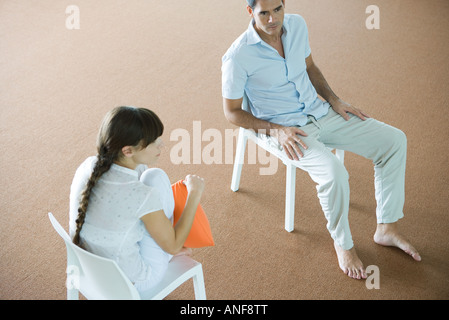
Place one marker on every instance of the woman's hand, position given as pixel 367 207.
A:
pixel 194 184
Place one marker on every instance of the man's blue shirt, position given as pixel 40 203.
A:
pixel 279 89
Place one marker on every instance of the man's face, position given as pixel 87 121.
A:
pixel 268 16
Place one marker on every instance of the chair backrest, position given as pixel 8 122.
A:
pixel 95 277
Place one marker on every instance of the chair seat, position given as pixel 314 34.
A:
pixel 180 269
pixel 264 142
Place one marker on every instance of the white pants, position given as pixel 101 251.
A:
pixel 152 254
pixel 386 146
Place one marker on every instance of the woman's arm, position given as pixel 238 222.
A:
pixel 172 238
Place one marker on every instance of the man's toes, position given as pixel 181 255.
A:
pixel 416 256
pixel 353 273
pixel 364 275
pixel 412 252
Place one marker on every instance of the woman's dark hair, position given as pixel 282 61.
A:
pixel 122 126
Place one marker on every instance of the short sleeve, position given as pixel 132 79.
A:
pixel 234 78
pixel 299 27
pixel 151 203
pixel 308 50
pixel 141 169
pixel 304 34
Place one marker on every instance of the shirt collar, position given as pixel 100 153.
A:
pixel 128 171
pixel 254 38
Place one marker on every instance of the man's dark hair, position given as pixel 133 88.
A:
pixel 251 3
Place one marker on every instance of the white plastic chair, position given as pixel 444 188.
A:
pixel 99 278
pixel 244 135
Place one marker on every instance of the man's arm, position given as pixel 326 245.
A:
pixel 324 90
pixel 287 136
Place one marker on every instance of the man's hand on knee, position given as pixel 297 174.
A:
pixel 343 108
pixel 289 139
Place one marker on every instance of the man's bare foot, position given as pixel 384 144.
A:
pixel 387 234
pixel 350 263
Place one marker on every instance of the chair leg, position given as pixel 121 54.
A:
pixel 290 198
pixel 239 158
pixel 198 285
pixel 72 294
pixel 73 278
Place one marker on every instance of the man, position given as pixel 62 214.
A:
pixel 272 63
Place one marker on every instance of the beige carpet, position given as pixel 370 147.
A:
pixel 56 84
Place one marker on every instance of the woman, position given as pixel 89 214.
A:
pixel 120 209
